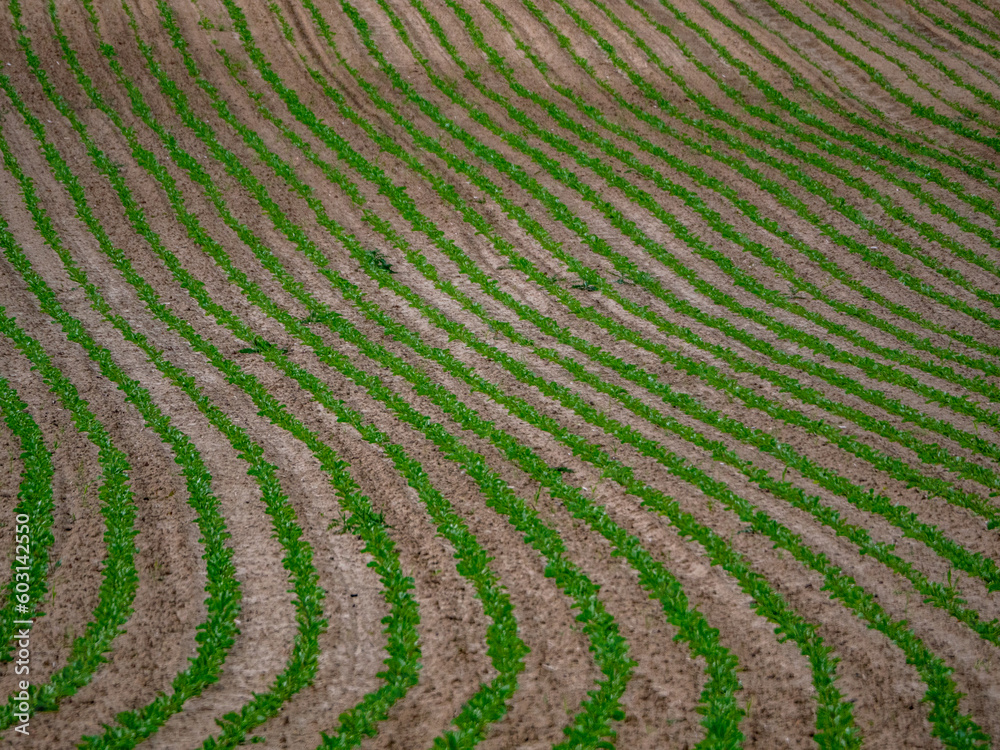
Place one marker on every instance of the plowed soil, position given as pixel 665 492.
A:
pixel 541 374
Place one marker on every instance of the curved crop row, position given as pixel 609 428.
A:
pixel 34 501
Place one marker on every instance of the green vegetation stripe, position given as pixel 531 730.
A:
pixel 843 379
pixel 984 96
pixel 838 203
pixel 594 725
pixel 604 703
pixel 34 501
pixel 217 633
pixel 937 45
pixel 964 36
pixel 406 206
pixel 322 314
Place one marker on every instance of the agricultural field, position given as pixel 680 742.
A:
pixel 440 374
